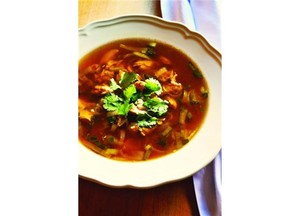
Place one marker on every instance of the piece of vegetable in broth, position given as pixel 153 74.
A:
pixel 195 70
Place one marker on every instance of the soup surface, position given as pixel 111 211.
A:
pixel 139 99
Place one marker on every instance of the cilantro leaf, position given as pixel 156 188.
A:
pixel 156 105
pixel 129 91
pixel 124 108
pixel 127 79
pixel 153 86
pixel 147 122
pixel 112 102
pixel 136 96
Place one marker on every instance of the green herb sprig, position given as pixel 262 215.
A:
pixel 124 96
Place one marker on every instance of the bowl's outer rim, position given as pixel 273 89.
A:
pixel 146 17
pixel 146 186
pixel 171 24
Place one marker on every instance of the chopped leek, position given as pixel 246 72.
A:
pixel 195 70
pixel 148 150
pixel 142 55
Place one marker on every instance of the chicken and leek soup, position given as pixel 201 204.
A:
pixel 139 99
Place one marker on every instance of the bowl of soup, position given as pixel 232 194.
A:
pixel 149 101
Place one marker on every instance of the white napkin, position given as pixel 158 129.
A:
pixel 202 16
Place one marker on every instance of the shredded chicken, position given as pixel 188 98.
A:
pixel 164 75
pixel 144 64
pixel 172 102
pixel 94 68
pixel 87 109
pixel 174 89
pixel 101 89
pixel 104 76
pixel 121 120
pixel 134 109
pixel 108 56
pixel 133 127
pixel 140 85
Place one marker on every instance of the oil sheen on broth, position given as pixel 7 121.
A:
pixel 139 99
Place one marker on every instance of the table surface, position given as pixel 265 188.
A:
pixel 177 198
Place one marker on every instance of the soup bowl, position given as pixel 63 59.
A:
pixel 204 145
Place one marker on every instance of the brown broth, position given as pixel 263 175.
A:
pixel 133 146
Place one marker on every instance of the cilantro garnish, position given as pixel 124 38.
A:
pixel 125 98
pixel 112 102
pixel 129 91
pixel 124 108
pixel 156 105
pixel 153 86
pixel 147 122
pixel 126 79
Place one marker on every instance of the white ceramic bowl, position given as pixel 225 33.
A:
pixel 203 147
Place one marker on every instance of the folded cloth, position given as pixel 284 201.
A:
pixel 206 15
pixel 199 15
pixel 207 184
pixel 175 10
pixel 202 16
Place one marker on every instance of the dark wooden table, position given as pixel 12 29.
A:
pixel 171 199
